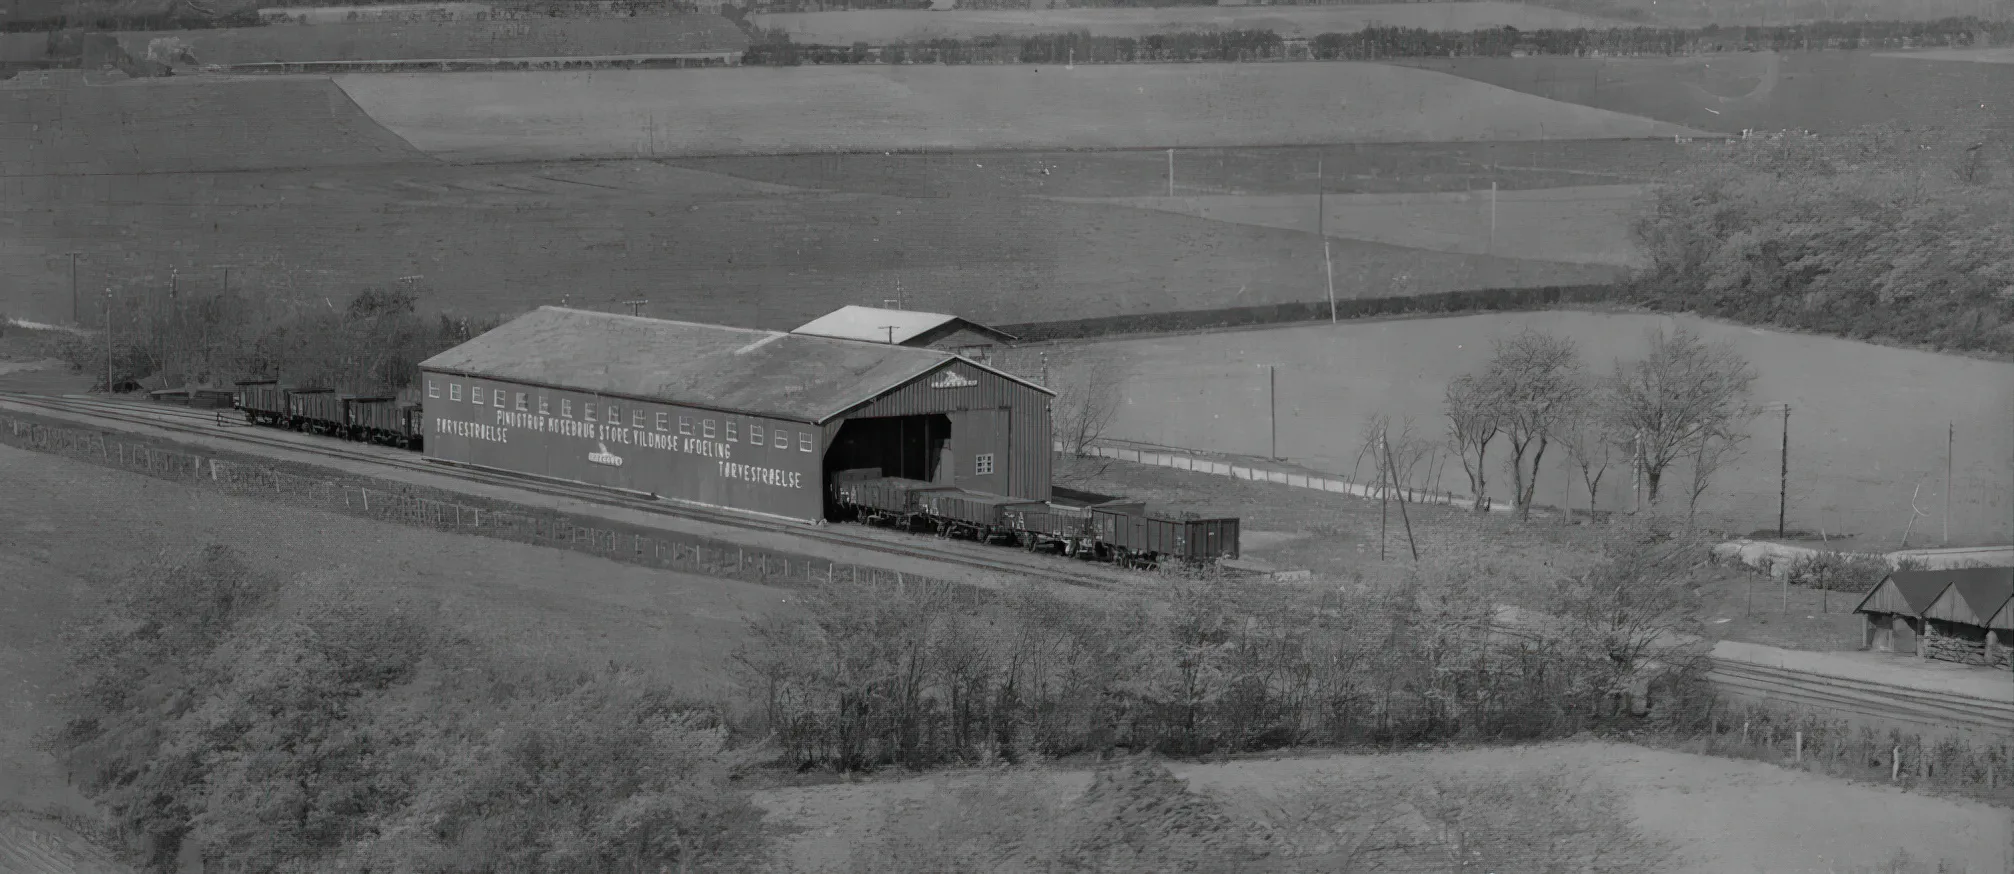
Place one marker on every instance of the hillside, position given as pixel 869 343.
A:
pixel 885 25
pixel 174 126
pixel 567 115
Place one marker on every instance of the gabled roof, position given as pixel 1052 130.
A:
pixel 1907 592
pixel 740 370
pixel 2003 620
pixel 889 326
pixel 1974 595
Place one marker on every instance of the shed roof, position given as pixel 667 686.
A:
pixel 1906 592
pixel 1975 594
pixel 764 373
pixel 2003 620
pixel 876 325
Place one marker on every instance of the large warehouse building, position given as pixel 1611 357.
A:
pixel 733 418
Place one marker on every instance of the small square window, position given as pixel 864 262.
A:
pixel 659 423
pixel 732 428
pixel 499 397
pixel 454 391
pixel 804 441
pixel 706 429
pixel 566 407
pixel 982 464
pixel 587 412
pixel 685 425
pixel 542 408
pixel 611 414
pixel 522 405
pixel 636 418
pixel 755 433
pixel 433 390
pixel 782 439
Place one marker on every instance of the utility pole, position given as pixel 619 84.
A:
pixel 1321 230
pixel 635 306
pixel 108 341
pixel 1950 439
pixel 1492 250
pixel 1273 406
pixel 76 307
pixel 891 333
pixel 1403 515
pixel 1783 476
pixel 227 279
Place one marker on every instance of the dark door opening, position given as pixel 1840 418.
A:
pixel 911 447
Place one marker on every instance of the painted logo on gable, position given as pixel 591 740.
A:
pixel 604 456
pixel 952 379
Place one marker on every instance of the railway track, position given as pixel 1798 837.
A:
pixel 204 423
pixel 1867 698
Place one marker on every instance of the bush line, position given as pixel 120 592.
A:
pixel 1473 300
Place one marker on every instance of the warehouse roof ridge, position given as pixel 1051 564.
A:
pixel 875 325
pixel 743 370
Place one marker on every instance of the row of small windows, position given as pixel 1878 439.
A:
pixel 612 415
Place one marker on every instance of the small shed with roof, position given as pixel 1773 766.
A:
pixel 1892 613
pixel 1959 624
pixel 909 328
pixel 731 418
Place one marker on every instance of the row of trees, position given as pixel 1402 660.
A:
pixel 1685 399
pixel 372 344
pixel 1883 234
pixel 775 48
pixel 864 680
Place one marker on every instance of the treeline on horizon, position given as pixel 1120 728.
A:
pixel 775 48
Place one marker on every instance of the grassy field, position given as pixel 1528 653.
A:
pixel 1826 92
pixel 1867 428
pixel 1581 225
pixel 1737 13
pixel 698 245
pixel 172 126
pixel 886 25
pixel 1598 807
pixel 627 113
pixel 376 41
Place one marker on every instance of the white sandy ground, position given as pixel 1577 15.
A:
pixel 1722 816
pixel 577 114
pixel 1587 224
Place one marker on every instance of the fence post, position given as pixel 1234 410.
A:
pixel 367 496
pixel 1800 748
pixel 1895 765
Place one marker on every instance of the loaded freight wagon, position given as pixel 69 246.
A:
pixel 729 418
pixel 1151 535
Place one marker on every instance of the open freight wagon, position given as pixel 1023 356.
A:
pixel 1145 536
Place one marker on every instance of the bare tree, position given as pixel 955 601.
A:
pixel 1681 389
pixel 1408 451
pixel 1534 384
pixel 1472 425
pixel 1086 402
pixel 1715 446
pixel 1589 441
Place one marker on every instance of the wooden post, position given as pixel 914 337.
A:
pixel 367 497
pixel 1800 748
pixel 1895 765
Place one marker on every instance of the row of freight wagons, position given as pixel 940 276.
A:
pixel 1122 530
pixel 375 418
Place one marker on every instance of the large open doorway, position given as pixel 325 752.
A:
pixel 912 447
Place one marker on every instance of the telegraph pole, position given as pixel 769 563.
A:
pixel 891 333
pixel 108 341
pixel 635 306
pixel 1321 230
pixel 76 307
pixel 1950 438
pixel 1273 406
pixel 1783 476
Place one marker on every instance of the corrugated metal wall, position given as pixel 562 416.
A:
pixel 1028 439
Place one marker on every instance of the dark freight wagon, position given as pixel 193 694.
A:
pixel 382 419
pixel 969 514
pixel 263 401
pixel 1152 536
pixel 316 410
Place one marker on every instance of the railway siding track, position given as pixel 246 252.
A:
pixel 1942 710
pixel 313 451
